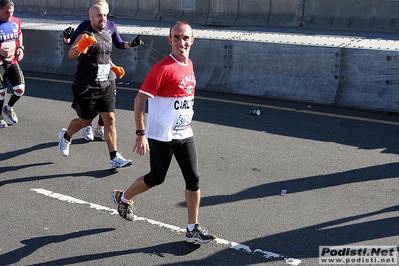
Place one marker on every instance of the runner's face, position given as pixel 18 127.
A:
pixel 6 13
pixel 98 17
pixel 181 38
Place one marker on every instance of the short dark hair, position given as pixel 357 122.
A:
pixel 6 3
pixel 179 23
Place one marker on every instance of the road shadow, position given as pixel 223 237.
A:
pixel 12 154
pixel 363 129
pixel 33 244
pixel 96 174
pixel 19 167
pixel 370 173
pixel 298 243
pixel 177 249
pixel 304 242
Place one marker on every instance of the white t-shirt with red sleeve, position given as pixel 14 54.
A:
pixel 171 87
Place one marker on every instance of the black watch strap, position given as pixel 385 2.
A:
pixel 140 132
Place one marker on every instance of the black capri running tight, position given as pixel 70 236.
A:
pixel 161 154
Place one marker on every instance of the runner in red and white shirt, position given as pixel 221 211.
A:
pixel 169 88
pixel 11 51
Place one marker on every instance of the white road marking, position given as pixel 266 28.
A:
pixel 233 245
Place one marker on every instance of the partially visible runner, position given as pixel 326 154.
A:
pixel 92 89
pixel 70 35
pixel 11 51
pixel 169 88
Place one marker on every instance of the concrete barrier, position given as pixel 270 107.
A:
pixel 46 55
pixel 148 9
pixel 126 8
pixel 282 71
pixel 255 14
pixel 40 7
pixel 128 59
pixel 27 5
pixel 197 13
pixel 223 12
pixel 286 13
pixel 155 49
pixel 81 7
pixel 53 7
pixel 210 58
pixel 66 7
pixel 112 7
pixel 23 5
pixel 170 10
pixel 347 72
pixel 355 15
pixel 366 15
pixel 19 6
pixel 56 59
pixel 369 79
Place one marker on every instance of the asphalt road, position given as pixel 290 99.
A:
pixel 340 169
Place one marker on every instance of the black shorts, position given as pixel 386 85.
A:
pixel 89 102
pixel 13 73
pixel 161 154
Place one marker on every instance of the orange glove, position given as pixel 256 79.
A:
pixel 85 42
pixel 118 70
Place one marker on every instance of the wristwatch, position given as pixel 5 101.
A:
pixel 22 47
pixel 140 132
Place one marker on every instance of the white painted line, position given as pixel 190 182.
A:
pixel 233 245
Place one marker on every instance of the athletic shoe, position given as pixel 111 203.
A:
pixel 199 234
pixel 11 115
pixel 63 144
pixel 2 122
pixel 124 209
pixel 119 161
pixel 87 133
pixel 99 133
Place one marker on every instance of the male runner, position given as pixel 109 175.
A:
pixel 11 51
pixel 70 35
pixel 92 89
pixel 169 88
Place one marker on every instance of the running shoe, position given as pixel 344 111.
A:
pixel 199 234
pixel 87 133
pixel 2 122
pixel 119 161
pixel 124 209
pixel 11 115
pixel 63 144
pixel 99 133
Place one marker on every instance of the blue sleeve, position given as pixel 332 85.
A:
pixel 116 38
pixel 82 26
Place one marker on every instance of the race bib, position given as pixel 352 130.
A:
pixel 103 72
pixel 183 121
pixel 10 45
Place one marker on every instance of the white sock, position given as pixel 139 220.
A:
pixel 191 227
pixel 123 199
